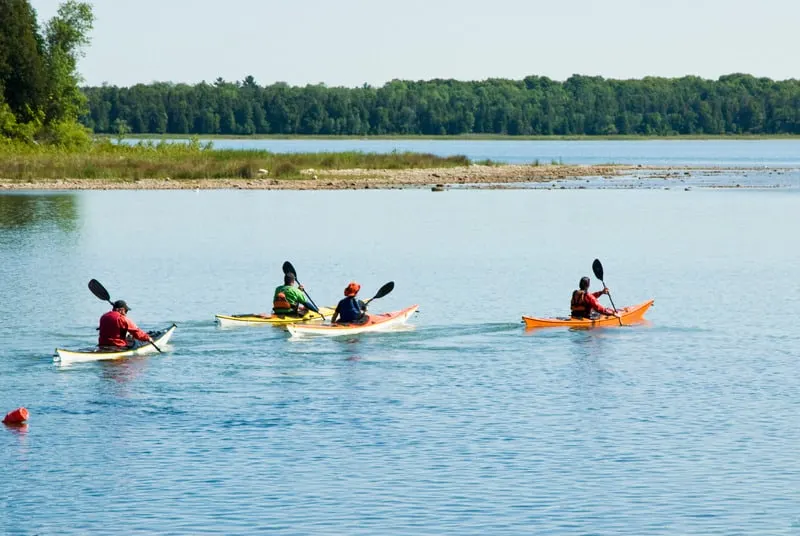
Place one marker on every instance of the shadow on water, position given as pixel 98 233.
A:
pixel 26 210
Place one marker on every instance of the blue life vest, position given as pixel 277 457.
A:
pixel 349 310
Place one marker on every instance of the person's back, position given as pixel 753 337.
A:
pixel 287 298
pixel 113 330
pixel 578 307
pixel 115 327
pixel 584 304
pixel 350 310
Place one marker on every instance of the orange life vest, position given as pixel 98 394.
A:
pixel 280 303
pixel 578 306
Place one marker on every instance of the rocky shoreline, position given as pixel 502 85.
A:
pixel 357 179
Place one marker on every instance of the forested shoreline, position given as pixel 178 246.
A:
pixel 736 104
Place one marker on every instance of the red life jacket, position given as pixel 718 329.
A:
pixel 578 306
pixel 280 304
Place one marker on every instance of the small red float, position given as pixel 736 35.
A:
pixel 18 416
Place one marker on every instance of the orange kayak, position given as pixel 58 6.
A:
pixel 630 315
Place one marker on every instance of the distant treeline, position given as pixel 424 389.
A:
pixel 581 105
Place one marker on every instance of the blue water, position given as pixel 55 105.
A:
pixel 740 153
pixel 466 424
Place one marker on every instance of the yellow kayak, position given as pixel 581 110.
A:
pixel 255 319
pixel 630 315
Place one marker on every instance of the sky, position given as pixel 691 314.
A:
pixel 352 42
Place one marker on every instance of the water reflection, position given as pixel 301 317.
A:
pixel 29 210
pixel 19 429
pixel 122 371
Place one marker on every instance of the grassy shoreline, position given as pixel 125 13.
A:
pixel 342 179
pixel 193 161
pixel 195 165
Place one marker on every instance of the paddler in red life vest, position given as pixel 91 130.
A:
pixel 584 304
pixel 115 326
pixel 289 300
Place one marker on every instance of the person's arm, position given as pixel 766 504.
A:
pixel 295 295
pixel 135 332
pixel 335 316
pixel 306 301
pixel 592 300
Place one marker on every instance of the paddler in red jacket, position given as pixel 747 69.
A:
pixel 584 303
pixel 115 326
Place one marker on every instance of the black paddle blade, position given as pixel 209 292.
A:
pixel 384 290
pixel 289 269
pixel 597 268
pixel 99 290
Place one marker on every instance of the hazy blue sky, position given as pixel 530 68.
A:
pixel 349 42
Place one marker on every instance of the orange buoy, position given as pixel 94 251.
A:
pixel 18 416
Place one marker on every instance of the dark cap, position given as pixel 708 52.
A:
pixel 119 304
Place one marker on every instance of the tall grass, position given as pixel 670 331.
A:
pixel 193 160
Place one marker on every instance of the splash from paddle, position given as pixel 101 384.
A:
pixel 101 292
pixel 597 268
pixel 289 269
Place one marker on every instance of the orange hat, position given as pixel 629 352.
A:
pixel 352 289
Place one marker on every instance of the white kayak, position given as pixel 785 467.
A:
pixel 161 338
pixel 380 322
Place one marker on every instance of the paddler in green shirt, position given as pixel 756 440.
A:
pixel 291 300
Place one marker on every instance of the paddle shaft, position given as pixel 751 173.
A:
pixel 309 298
pixel 612 301
pixel 597 268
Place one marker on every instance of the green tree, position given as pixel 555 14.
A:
pixel 65 36
pixel 22 73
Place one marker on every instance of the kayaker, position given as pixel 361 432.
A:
pixel 350 310
pixel 115 326
pixel 289 300
pixel 584 304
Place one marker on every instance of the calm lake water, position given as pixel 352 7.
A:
pixel 466 424
pixel 743 153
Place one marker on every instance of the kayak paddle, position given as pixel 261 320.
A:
pixel 597 268
pixel 383 291
pixel 101 292
pixel 289 269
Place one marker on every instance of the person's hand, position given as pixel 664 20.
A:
pixel 605 290
pixel 301 287
pixel 149 338
pixel 617 315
